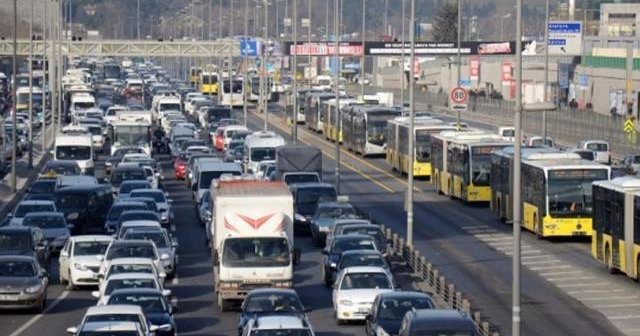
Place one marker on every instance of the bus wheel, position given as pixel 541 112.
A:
pixel 536 227
pixel 608 259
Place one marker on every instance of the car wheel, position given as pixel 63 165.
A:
pixel 338 320
pixel 62 280
pixel 69 286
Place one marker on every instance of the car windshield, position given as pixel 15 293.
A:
pixel 350 260
pixel 45 222
pixel 130 268
pixel 281 332
pixel 15 242
pixel 156 196
pixel 273 302
pixel 122 151
pixel 128 283
pixel 377 128
pixel 157 237
pixel 149 303
pixel 137 215
pixel 376 233
pixel 207 176
pixel 423 146
pixel 307 198
pixel 256 252
pixel 66 201
pixel 17 268
pixel 24 209
pixel 263 154
pixel 336 212
pixel 342 245
pixel 43 187
pixel 125 188
pixel 73 152
pixel 90 248
pixel 131 251
pixel 117 210
pixel 598 147
pixel 365 281
pixel 62 169
pixel 128 174
pixel 113 318
pixel 395 308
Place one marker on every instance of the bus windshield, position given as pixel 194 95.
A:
pixel 569 191
pixel 262 154
pixel 481 164
pixel 235 88
pixel 377 128
pixel 423 146
pixel 209 79
pixel 132 135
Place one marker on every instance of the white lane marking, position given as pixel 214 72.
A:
pixel 581 285
pixel 623 317
pixel 536 256
pixel 579 278
pixel 560 273
pixel 551 261
pixel 585 291
pixel 35 319
pixel 621 305
pixel 608 298
pixel 551 267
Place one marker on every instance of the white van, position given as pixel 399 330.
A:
pixel 229 131
pixel 81 102
pixel 78 148
pixel 600 147
pixel 507 133
pixel 260 146
pixel 205 172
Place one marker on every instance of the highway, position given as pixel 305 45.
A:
pixel 564 291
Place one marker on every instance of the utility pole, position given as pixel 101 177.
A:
pixel 386 17
pixel 230 61
pixel 309 40
pixel 294 65
pixel 459 32
pixel 220 21
pixel 402 73
pixel 246 63
pixel 14 96
pixel 53 65
pixel 364 39
pixel 210 23
pixel 138 18
pixel 263 68
pixel 277 19
pixel 45 75
pixel 412 110
pixel 336 80
pixel 31 86
pixel 517 203
pixel 60 68
pixel 545 94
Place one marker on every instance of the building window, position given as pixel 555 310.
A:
pixel 622 16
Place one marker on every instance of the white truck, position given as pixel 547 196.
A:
pixel 251 237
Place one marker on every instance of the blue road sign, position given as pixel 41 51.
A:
pixel 248 47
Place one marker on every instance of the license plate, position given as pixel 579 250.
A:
pixel 8 298
pixel 363 310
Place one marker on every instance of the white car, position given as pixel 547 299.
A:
pixel 355 290
pixel 143 223
pixel 165 244
pixel 127 280
pixel 78 263
pixel 162 202
pixel 133 265
pixel 278 324
pixel 117 313
pixel 108 328
pixel 132 249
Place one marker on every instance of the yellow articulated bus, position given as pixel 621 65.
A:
pixel 461 163
pixel 556 190
pixel 398 144
pixel 208 83
pixel 194 76
pixel 616 225
pixel 332 128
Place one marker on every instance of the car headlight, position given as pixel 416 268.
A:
pixel 80 267
pixel 299 217
pixel 381 332
pixel 33 289
pixel 345 302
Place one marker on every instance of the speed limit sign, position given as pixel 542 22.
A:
pixel 458 99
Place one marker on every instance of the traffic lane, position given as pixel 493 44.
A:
pixel 463 266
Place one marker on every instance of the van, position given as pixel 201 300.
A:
pixel 85 206
pixel 260 146
pixel 78 148
pixel 205 172
pixel 600 147
pixel 507 133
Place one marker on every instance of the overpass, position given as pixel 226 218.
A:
pixel 129 48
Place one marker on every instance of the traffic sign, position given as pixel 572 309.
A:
pixel 458 99
pixel 565 38
pixel 248 47
pixel 629 126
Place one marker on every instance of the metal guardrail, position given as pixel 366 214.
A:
pixel 432 277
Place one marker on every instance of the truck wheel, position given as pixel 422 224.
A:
pixel 222 304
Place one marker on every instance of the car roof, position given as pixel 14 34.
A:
pixel 439 319
pixel 127 202
pixel 92 238
pixel 130 291
pixel 141 222
pixel 331 204
pixel 350 252
pixel 132 242
pixel 16 228
pixel 272 291
pixel 352 237
pixel 17 258
pixel 276 322
pixel 364 269
pixel 35 202
pixel 127 261
pixel 107 326
pixel 113 309
pixel 45 213
pixel 132 275
pixel 308 185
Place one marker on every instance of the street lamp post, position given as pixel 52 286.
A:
pixel 309 40
pixel 294 65
pixel 138 19
pixel 515 309
pixel 546 70
pixel 412 110
pixel 246 63
pixel 364 39
pixel 14 69
pixel 402 73
pixel 31 86
pixel 44 74
pixel 508 15
pixel 336 80
pixel 263 75
pixel 459 58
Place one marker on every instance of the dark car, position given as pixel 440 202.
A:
pixel 341 244
pixel 113 217
pixel 215 114
pixel 53 226
pixel 437 321
pixel 355 258
pixel 326 216
pixel 23 283
pixel 306 197
pixel 42 186
pixel 26 241
pixel 127 186
pixel 389 309
pixel 269 301
pixel 374 231
pixel 138 215
pixel 154 305
pixel 117 156
pixel 54 168
pixel 126 172
pixel 84 206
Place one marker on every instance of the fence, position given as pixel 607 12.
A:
pixel 566 126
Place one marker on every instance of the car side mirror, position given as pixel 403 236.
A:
pixel 64 254
pixel 100 257
pixel 164 257
pixel 166 292
pixel 162 275
pixel 95 294
pixel 72 330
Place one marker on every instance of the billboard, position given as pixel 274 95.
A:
pixel 381 48
pixel 565 38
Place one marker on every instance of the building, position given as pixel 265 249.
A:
pixel 620 19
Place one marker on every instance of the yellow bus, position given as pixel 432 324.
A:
pixel 461 163
pixel 332 128
pixel 398 144
pixel 208 83
pixel 616 225
pixel 194 76
pixel 556 190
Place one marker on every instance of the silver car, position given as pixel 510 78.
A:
pixel 23 283
pixel 53 225
pixel 164 244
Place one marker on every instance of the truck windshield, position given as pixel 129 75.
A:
pixel 73 152
pixel 132 135
pixel 262 154
pixel 256 252
pixel 300 178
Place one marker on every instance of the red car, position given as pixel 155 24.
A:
pixel 219 139
pixel 180 166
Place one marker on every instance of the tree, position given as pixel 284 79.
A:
pixel 445 23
